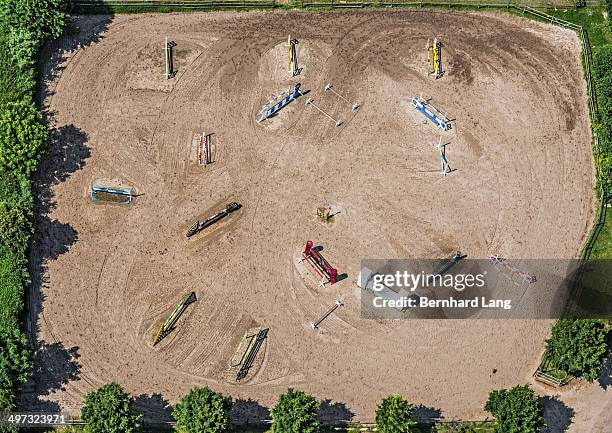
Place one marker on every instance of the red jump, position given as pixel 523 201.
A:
pixel 319 263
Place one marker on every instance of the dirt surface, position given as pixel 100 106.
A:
pixel 106 276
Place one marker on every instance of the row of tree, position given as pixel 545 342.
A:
pixel 24 26
pixel 202 410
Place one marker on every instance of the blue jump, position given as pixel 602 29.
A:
pixel 266 111
pixel 441 123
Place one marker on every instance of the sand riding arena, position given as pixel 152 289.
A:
pixel 521 185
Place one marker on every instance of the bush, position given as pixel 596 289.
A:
pixel 517 410
pixel 109 410
pixel 394 415
pixel 203 411
pixel 295 412
pixel 22 137
pixel 15 188
pixel 14 365
pixel 578 347
pixel 16 83
pixel 13 280
pixel 15 228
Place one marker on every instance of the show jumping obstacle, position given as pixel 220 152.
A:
pixel 431 112
pixel 434 58
pixel 336 122
pixel 103 194
pixel 316 324
pixel 204 150
pixel 293 59
pixel 279 101
pixel 170 322
pixel 444 167
pixel 168 51
pixel 198 226
pixel 354 107
pixel 324 270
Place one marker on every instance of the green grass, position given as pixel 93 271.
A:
pixel 591 19
pixel 603 246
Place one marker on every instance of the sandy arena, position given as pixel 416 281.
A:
pixel 106 276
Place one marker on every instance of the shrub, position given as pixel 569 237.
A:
pixel 394 415
pixel 13 279
pixel 14 365
pixel 295 412
pixel 202 410
pixel 109 410
pixel 22 137
pixel 15 188
pixel 15 228
pixel 516 410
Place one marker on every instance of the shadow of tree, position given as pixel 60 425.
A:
pixel 557 414
pixel 334 413
pixel 80 32
pixel 426 414
pixel 245 412
pixel 53 364
pixel 154 408
pixel 605 374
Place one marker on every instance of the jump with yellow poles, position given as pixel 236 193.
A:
pixel 434 58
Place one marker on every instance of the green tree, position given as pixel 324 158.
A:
pixel 578 346
pixel 15 227
pixel 394 415
pixel 517 410
pixel 203 410
pixel 295 412
pixel 22 137
pixel 109 410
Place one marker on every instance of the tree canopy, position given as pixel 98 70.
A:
pixel 394 415
pixel 578 346
pixel 109 410
pixel 202 410
pixel 517 410
pixel 295 412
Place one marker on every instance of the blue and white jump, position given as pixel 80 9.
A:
pixel 125 193
pixel 431 112
pixel 269 110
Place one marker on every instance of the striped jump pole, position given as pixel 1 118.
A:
pixel 293 59
pixel 336 122
pixel 168 45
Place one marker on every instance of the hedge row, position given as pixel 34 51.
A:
pixel 24 27
pixel 602 80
